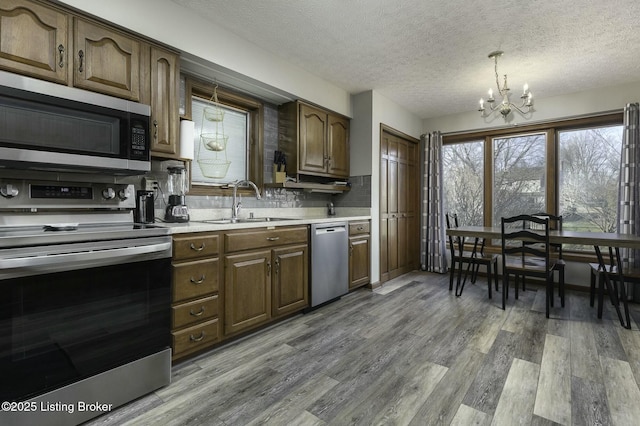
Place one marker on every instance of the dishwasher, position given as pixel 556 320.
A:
pixel 329 262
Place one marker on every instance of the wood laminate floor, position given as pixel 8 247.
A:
pixel 411 353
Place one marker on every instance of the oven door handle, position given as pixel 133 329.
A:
pixel 97 256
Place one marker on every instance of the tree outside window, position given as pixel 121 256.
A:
pixel 589 174
pixel 519 176
pixel 463 166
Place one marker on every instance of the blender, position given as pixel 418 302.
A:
pixel 177 210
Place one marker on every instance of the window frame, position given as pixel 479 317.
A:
pixel 254 108
pixel 552 167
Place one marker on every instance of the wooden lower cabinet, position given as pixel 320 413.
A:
pixel 197 337
pixel 195 293
pixel 266 276
pixel 247 283
pixel 290 279
pixel 359 254
pixel 228 283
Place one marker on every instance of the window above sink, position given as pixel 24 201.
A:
pixel 245 116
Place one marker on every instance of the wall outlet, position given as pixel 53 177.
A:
pixel 150 184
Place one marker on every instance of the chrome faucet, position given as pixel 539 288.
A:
pixel 235 207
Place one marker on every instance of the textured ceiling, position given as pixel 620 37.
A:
pixel 431 56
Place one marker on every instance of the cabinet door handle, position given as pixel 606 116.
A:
pixel 200 281
pixel 273 238
pixel 155 129
pixel 277 266
pixel 81 56
pixel 268 268
pixel 197 339
pixel 193 247
pixel 197 314
pixel 61 50
pixel 350 249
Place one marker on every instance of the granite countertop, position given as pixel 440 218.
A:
pixel 205 225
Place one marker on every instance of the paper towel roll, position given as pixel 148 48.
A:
pixel 186 139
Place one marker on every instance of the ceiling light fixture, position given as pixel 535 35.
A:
pixel 505 107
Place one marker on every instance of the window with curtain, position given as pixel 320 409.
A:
pixel 569 168
pixel 589 171
pixel 463 171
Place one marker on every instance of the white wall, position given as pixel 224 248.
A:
pixel 547 109
pixel 370 109
pixel 178 27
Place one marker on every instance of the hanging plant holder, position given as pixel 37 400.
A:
pixel 213 113
pixel 214 141
pixel 214 168
pixel 212 149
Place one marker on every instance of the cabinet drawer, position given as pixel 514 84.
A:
pixel 194 312
pixel 253 239
pixel 197 337
pixel 193 246
pixel 356 228
pixel 195 279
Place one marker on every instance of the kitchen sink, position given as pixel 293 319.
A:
pixel 246 220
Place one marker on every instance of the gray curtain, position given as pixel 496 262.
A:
pixel 433 252
pixel 629 195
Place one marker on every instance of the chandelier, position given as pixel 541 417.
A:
pixel 505 107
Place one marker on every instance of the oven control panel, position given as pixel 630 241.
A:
pixel 22 194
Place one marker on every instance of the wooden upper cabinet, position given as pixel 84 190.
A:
pixel 313 134
pixel 164 101
pixel 106 60
pixel 34 40
pixel 338 146
pixel 315 141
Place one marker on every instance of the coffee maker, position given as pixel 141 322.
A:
pixel 144 212
pixel 177 210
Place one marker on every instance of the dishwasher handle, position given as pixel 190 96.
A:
pixel 330 230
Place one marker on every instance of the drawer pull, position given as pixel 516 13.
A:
pixel 196 339
pixel 200 281
pixel 202 246
pixel 197 314
pixel 360 228
pixel 273 238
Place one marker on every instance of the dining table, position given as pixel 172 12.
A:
pixel 599 240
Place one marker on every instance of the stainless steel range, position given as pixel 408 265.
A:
pixel 85 301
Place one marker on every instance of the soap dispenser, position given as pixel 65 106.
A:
pixel 331 209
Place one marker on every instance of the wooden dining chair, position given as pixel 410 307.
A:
pixel 526 252
pixel 618 277
pixel 473 258
pixel 555 224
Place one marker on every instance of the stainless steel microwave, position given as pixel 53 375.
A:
pixel 48 126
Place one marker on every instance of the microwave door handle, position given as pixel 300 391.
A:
pixel 101 256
